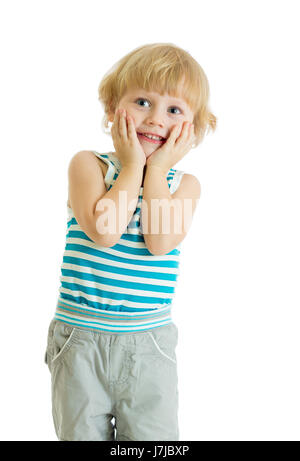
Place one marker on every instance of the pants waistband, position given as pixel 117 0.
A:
pixel 89 318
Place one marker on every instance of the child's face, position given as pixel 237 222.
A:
pixel 153 113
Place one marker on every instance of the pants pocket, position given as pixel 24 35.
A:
pixel 164 342
pixel 61 348
pixel 61 338
pixel 158 348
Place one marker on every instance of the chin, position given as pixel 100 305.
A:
pixel 150 148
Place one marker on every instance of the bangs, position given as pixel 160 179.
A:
pixel 164 70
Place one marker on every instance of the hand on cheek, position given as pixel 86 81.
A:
pixel 178 144
pixel 132 119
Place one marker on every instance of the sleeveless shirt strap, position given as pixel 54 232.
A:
pixel 111 170
pixel 176 180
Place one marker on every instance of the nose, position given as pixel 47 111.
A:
pixel 155 118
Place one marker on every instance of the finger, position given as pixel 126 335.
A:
pixel 174 133
pixel 117 116
pixel 186 129
pixel 189 130
pixel 186 132
pixel 184 135
pixel 179 132
pixel 131 127
pixel 116 119
pixel 123 125
pixel 191 138
pixel 192 133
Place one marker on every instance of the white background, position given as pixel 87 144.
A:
pixel 237 302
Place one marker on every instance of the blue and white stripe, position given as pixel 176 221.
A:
pixel 121 288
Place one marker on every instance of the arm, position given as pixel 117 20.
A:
pixel 121 200
pixel 90 201
pixel 175 214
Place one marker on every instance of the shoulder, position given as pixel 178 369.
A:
pixel 189 187
pixel 83 155
pixel 86 159
pixel 85 167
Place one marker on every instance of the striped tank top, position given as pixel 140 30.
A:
pixel 123 288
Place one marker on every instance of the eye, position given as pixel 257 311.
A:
pixel 141 99
pixel 176 108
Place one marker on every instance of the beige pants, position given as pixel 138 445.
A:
pixel 109 386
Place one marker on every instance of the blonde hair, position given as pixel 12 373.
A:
pixel 160 67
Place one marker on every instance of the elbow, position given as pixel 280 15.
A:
pixel 157 247
pixel 106 241
pixel 155 251
pixel 103 234
pixel 158 252
pixel 163 247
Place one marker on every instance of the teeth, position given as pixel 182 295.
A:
pixel 158 138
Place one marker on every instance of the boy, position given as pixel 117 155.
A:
pixel 111 344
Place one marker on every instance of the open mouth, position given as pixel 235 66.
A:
pixel 151 138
